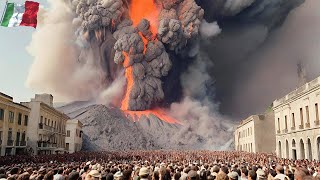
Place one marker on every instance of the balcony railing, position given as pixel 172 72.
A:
pixel 46 127
pixel 307 125
pixel 10 142
pixel 23 143
pixel 293 128
pixel 46 144
pixel 301 126
pixel 317 123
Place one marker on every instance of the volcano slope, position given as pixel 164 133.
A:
pixel 107 128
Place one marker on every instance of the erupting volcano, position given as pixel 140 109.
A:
pixel 142 40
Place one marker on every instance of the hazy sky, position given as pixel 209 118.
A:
pixel 14 59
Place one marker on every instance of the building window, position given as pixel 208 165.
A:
pixel 68 133
pixel 317 112
pixel 26 118
pixel 19 118
pixel 1 114
pixel 307 113
pixel 23 136
pixel 10 141
pixel 41 119
pixel 285 121
pixel 18 139
pixel 301 117
pixel 293 120
pixel 67 146
pixel 279 124
pixel 11 116
pixel 0 137
pixel 45 121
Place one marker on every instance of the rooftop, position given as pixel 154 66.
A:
pixel 297 92
pixel 6 96
pixel 11 99
pixel 251 118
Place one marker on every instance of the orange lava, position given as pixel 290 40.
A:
pixel 144 9
pixel 145 42
pixel 129 77
pixel 158 112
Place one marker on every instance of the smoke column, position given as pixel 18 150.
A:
pixel 188 56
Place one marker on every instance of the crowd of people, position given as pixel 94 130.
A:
pixel 157 165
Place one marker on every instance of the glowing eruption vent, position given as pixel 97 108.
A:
pixel 141 31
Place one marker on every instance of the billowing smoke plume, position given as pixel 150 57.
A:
pixel 83 45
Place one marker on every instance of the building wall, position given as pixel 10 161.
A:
pixel 49 126
pixel 265 137
pixel 74 135
pixel 256 134
pixel 298 137
pixel 15 119
pixel 244 136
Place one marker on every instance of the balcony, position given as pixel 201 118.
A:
pixel 317 123
pixel 307 125
pixel 46 127
pixel 23 143
pixel 293 128
pixel 285 131
pixel 46 145
pixel 301 126
pixel 10 142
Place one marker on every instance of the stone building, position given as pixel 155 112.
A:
pixel 297 122
pixel 48 126
pixel 14 121
pixel 73 136
pixel 256 134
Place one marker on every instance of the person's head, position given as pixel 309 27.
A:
pixel 252 175
pixel 233 175
pixel 244 172
pixel 109 176
pixel 24 176
pixel 144 173
pixel 224 169
pixel 210 177
pixel 279 169
pixel 299 174
pixel 60 171
pixel 177 176
pixel 14 171
pixel 48 176
pixel 261 175
pixel 127 174
pixel 215 169
pixel 222 176
pixel 86 168
pixel 93 175
pixel 192 175
pixel 73 176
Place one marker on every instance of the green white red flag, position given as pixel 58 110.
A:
pixel 20 14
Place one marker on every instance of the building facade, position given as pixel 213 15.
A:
pixel 253 136
pixel 48 126
pixel 14 121
pixel 297 123
pixel 73 136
